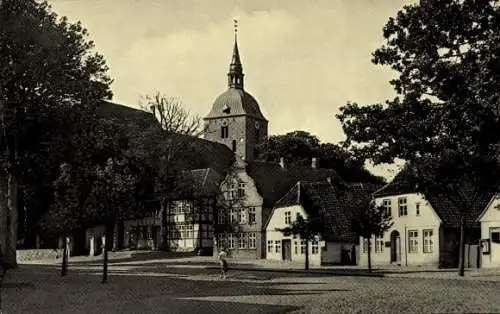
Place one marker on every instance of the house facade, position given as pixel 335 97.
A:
pixel 426 227
pixel 290 248
pixel 414 238
pixel 332 202
pixel 490 233
pixel 189 220
pixel 240 213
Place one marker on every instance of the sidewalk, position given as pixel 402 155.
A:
pixel 132 259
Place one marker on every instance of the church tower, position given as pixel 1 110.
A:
pixel 235 119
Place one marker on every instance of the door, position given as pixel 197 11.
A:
pixel 286 251
pixel 395 247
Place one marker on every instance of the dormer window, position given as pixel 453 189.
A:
pixel 226 109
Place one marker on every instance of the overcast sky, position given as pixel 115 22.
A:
pixel 302 59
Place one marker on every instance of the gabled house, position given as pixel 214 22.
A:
pixel 490 233
pixel 426 228
pixel 257 186
pixel 335 203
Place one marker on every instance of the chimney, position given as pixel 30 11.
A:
pixel 314 163
pixel 282 162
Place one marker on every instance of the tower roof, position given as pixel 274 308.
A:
pixel 236 66
pixel 235 102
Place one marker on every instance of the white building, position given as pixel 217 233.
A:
pixel 334 206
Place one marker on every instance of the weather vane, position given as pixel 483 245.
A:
pixel 235 26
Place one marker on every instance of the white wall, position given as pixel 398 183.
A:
pixel 277 221
pixel 491 222
pixel 426 220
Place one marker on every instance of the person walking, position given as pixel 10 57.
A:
pixel 223 263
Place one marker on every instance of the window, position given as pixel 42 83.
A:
pixel 230 240
pixel 233 215
pixel 252 240
pixel 233 144
pixel 221 217
pixel 365 245
pixel 251 215
pixel 495 237
pixel 412 241
pixel 243 243
pixel 257 135
pixel 270 246
pixel 220 241
pixel 417 209
pixel 296 247
pixel 315 247
pixel 243 216
pixel 241 190
pixel 297 216
pixel 277 246
pixel 224 131
pixel 379 244
pixel 403 206
pixel 231 192
pixel 387 206
pixel 288 217
pixel 302 247
pixel 427 240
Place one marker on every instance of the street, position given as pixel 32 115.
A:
pixel 195 289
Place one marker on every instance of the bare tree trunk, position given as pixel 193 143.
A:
pixel 307 255
pixel 461 252
pixel 369 255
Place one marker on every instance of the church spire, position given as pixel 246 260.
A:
pixel 235 75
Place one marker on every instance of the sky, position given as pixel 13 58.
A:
pixel 302 60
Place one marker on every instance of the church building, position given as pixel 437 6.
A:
pixel 235 119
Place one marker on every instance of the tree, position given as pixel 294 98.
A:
pixel 372 221
pixel 307 229
pixel 299 147
pixel 67 213
pixel 446 114
pixel 161 145
pixel 47 70
pixel 112 198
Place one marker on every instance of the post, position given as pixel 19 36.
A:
pixel 92 245
pixel 105 255
pixel 461 252
pixel 369 254
pixel 307 254
pixel 64 267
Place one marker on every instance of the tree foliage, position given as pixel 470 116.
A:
pixel 50 82
pixel 446 116
pixel 299 147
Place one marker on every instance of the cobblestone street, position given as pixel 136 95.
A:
pixel 186 288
